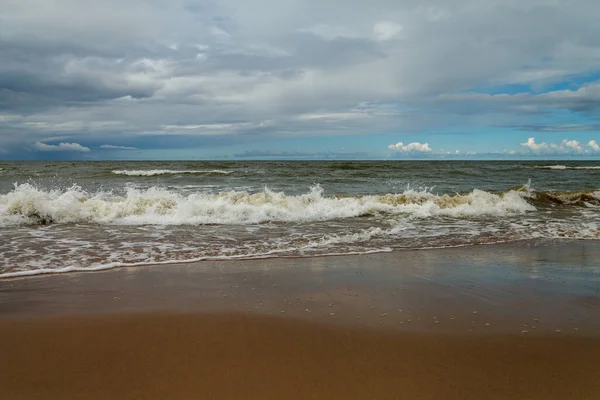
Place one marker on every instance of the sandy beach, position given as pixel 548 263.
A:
pixel 519 321
pixel 231 356
pixel 297 200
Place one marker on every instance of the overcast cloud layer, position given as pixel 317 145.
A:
pixel 110 77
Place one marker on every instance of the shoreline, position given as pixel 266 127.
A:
pixel 77 270
pixel 224 259
pixel 493 322
pixel 506 286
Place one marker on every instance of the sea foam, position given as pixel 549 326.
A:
pixel 156 172
pixel 27 204
pixel 563 167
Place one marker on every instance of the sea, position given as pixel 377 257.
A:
pixel 85 216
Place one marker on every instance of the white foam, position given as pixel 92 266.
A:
pixel 112 265
pixel 563 167
pixel 155 172
pixel 553 167
pixel 27 204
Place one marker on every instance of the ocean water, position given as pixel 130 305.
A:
pixel 64 216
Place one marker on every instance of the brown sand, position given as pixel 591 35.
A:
pixel 240 357
pixel 491 322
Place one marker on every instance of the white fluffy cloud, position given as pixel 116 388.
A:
pixel 594 146
pixel 564 147
pixel 414 147
pixel 61 147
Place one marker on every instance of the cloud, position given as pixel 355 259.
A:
pixel 585 99
pixel 594 146
pixel 414 147
pixel 564 147
pixel 559 128
pixel 61 147
pixel 113 147
pixel 573 145
pixel 199 68
pixel 386 30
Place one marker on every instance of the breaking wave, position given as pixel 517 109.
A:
pixel 29 205
pixel 309 224
pixel 561 167
pixel 156 172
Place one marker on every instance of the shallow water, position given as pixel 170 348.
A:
pixel 62 216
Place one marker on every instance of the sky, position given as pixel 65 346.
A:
pixel 289 79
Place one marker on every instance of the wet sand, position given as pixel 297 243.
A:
pixel 517 321
pixel 157 356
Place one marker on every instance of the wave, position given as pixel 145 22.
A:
pixel 155 172
pixel 562 167
pixel 582 198
pixel 113 265
pixel 27 205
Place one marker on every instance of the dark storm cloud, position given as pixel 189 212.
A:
pixel 32 79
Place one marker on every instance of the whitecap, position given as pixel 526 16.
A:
pixel 156 172
pixel 27 204
pixel 564 167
